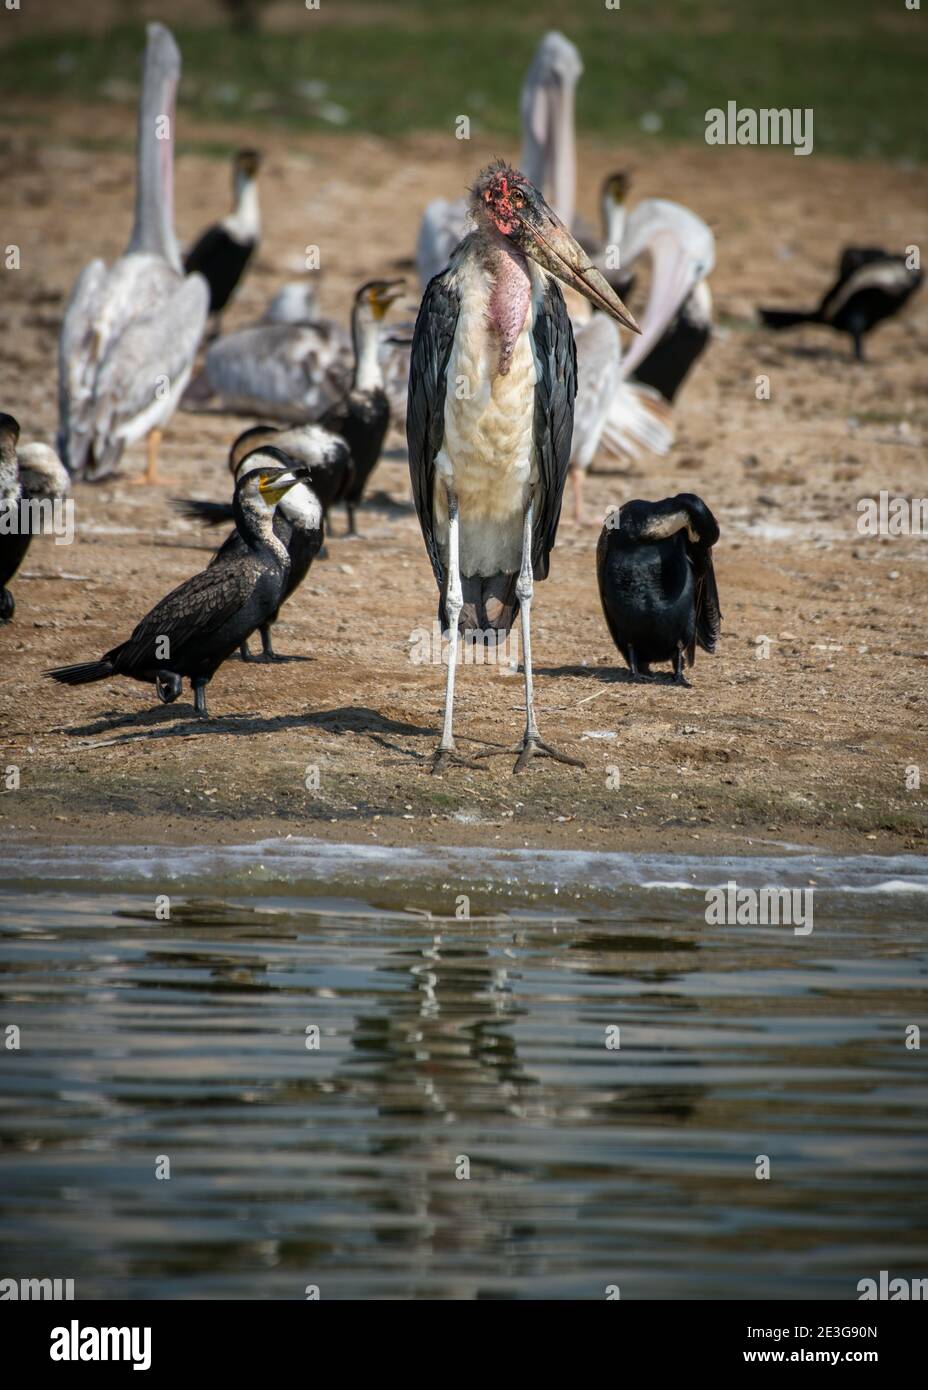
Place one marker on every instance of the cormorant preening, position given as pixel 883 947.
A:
pixel 31 474
pixel 221 253
pixel 657 583
pixel 872 285
pixel 298 523
pixel 193 630
pixel 362 417
pixel 488 464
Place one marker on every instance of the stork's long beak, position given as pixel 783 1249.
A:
pixel 547 241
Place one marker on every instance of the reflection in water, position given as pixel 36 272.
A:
pixel 442 1040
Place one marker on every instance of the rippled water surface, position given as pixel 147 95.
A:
pixel 446 1041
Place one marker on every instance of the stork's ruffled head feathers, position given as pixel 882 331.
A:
pixel 503 200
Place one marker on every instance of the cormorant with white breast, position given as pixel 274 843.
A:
pixel 197 626
pixel 298 523
pixel 362 417
pixel 872 285
pixel 32 479
pixel 221 253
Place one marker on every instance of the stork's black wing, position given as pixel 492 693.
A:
pixel 425 407
pixel 554 419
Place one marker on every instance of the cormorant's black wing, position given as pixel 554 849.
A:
pixel 205 250
pixel 425 406
pixel 194 609
pixel 706 529
pixel 554 419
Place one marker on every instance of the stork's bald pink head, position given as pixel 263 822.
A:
pixel 500 195
pixel 503 199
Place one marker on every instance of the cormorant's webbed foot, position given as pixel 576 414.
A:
pixel 7 606
pixel 678 676
pixel 168 684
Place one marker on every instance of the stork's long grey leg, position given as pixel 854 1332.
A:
pixel 531 745
pixel 454 602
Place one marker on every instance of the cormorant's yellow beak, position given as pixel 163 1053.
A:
pixel 274 486
pixel 385 294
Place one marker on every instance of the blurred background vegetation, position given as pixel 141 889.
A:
pixel 653 67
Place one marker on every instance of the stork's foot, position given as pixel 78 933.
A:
pixel 531 747
pixel 449 757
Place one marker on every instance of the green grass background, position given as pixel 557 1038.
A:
pixel 405 65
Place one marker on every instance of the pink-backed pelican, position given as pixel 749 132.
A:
pixel 130 332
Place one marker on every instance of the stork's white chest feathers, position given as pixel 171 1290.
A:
pixel 487 453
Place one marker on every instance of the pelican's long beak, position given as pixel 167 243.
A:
pixel 273 488
pixel 547 241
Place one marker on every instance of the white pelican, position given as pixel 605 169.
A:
pixel 130 333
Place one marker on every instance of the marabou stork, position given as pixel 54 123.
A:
pixel 492 381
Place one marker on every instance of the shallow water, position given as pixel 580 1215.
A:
pixel 443 1037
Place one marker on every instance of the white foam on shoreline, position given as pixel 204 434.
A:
pixel 307 865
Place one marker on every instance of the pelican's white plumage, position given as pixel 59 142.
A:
pixel 130 333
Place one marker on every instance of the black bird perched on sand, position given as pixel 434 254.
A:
pixel 298 523
pixel 872 285
pixel 32 479
pixel 362 417
pixel 193 630
pixel 657 583
pixel 221 253
pixel 492 381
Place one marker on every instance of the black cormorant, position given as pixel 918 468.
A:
pixel 31 474
pixel 197 626
pixel 872 285
pixel 221 253
pixel 362 417
pixel 298 523
pixel 657 583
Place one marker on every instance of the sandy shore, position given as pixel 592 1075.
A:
pixel 809 745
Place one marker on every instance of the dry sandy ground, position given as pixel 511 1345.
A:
pixel 810 745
